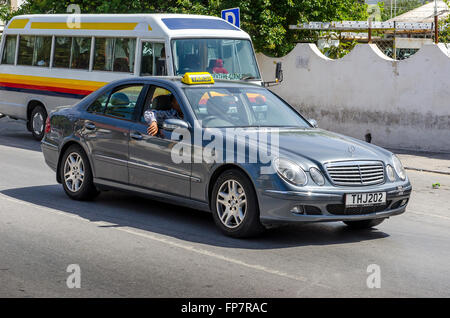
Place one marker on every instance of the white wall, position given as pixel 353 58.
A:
pixel 402 104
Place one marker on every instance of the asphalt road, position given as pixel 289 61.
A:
pixel 128 246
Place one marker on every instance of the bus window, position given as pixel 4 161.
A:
pixel 153 59
pixel 124 52
pixel 34 50
pixel 104 49
pixel 72 53
pixel 81 53
pixel 115 55
pixel 62 51
pixel 9 51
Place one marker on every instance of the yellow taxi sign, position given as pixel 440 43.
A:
pixel 197 78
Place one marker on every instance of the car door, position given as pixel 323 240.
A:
pixel 107 130
pixel 150 163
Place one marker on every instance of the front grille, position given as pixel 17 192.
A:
pixel 356 173
pixel 340 209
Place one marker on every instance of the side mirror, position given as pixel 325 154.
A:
pixel 313 122
pixel 173 123
pixel 279 73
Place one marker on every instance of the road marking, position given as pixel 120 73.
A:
pixel 165 240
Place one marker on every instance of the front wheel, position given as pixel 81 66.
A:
pixel 37 122
pixel 76 174
pixel 364 224
pixel 235 206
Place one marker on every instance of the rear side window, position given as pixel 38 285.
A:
pixel 34 50
pixel 114 54
pixel 122 102
pixel 99 105
pixel 9 51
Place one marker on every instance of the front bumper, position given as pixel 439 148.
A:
pixel 328 205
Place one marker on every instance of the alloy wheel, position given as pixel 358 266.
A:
pixel 231 203
pixel 74 172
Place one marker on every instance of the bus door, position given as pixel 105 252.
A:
pixel 153 58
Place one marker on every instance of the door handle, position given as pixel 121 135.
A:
pixel 136 136
pixel 90 126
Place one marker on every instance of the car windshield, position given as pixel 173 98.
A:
pixel 223 58
pixel 241 107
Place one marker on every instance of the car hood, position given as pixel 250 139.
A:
pixel 317 146
pixel 324 146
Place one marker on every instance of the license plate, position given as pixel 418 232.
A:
pixel 365 199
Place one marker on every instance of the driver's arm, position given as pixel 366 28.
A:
pixel 153 117
pixel 150 118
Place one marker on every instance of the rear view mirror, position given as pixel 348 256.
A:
pixel 172 123
pixel 278 76
pixel 279 73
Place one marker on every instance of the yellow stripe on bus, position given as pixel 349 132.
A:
pixel 119 26
pixel 18 23
pixel 53 82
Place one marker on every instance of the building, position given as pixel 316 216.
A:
pixel 13 4
pixel 423 14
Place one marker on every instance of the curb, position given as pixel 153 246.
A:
pixel 428 170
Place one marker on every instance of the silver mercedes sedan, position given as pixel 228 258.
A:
pixel 232 148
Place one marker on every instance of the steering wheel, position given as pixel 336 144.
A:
pixel 207 119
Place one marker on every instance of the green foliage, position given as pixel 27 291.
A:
pixel 4 10
pixel 336 52
pixel 444 36
pixel 267 21
pixel 374 12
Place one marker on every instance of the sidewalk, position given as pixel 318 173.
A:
pixel 424 161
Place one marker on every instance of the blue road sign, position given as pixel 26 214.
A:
pixel 232 16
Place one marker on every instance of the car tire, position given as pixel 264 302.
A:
pixel 235 210
pixel 37 122
pixel 364 224
pixel 76 174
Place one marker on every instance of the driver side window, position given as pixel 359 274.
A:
pixel 122 102
pixel 154 102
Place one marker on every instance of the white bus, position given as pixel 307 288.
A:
pixel 52 60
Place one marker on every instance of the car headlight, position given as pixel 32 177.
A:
pixel 317 176
pixel 290 171
pixel 398 167
pixel 390 173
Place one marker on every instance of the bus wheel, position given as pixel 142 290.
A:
pixel 37 122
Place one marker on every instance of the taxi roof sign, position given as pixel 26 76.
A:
pixel 197 78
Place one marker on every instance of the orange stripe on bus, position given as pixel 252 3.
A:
pixel 52 82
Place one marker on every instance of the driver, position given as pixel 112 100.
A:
pixel 155 117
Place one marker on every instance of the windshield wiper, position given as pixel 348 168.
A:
pixel 246 78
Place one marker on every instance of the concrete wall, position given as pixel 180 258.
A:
pixel 402 104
